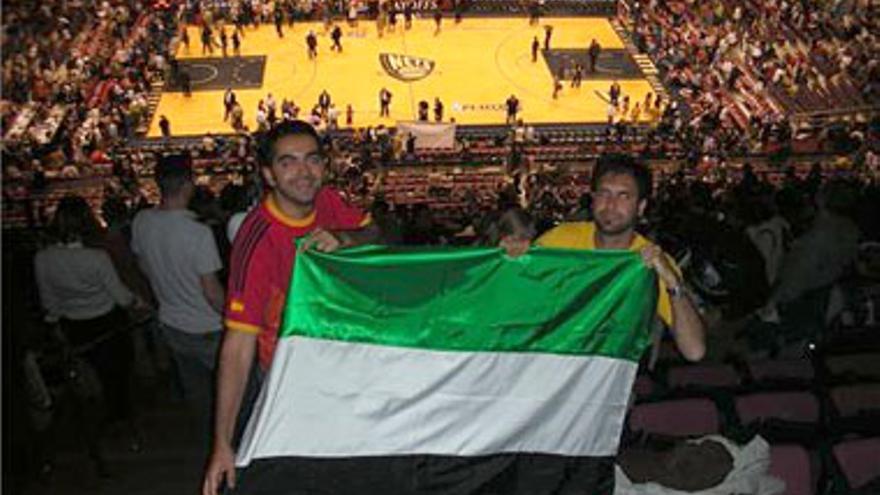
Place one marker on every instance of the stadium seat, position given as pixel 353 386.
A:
pixel 703 376
pixel 644 386
pixel 850 400
pixel 685 417
pixel 791 463
pixel 800 407
pixel 858 460
pixel 771 372
pixel 781 417
pixel 864 366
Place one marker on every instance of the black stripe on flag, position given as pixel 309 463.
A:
pixel 502 474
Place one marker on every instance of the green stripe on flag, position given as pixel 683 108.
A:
pixel 475 299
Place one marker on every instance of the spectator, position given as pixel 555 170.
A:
pixel 165 127
pixel 179 256
pixel 80 289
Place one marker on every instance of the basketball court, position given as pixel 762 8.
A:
pixel 473 67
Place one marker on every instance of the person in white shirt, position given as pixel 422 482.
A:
pixel 81 291
pixel 179 255
pixel 262 120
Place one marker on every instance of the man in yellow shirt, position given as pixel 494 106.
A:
pixel 620 190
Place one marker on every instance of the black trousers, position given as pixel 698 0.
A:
pixel 111 357
pixel 503 474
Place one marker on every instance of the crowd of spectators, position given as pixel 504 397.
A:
pixel 729 67
pixel 740 220
pixel 77 79
pixel 751 73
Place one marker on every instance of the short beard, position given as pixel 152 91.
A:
pixel 618 231
pixel 298 201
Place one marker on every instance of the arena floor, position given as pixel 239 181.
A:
pixel 475 66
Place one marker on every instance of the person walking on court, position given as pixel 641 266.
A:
pixel 512 104
pixel 336 36
pixel 392 19
pixel 352 15
pixel 438 20
pixel 423 111
pixel 262 117
pixel 165 127
pixel 174 69
pixel 536 46
pixel 224 41
pixel 236 44
pixel 238 118
pixel 327 14
pixel 381 21
pixel 548 33
pixel 407 15
pixel 557 86
pixel 291 12
pixel 594 51
pixel 184 38
pixel 271 110
pixel 185 83
pixel 207 40
pixel 228 103
pixel 438 110
pixel 614 92
pixel 534 12
pixel 278 17
pixel 312 44
pixel 385 102
pixel 239 22
pixel 324 102
pixel 577 76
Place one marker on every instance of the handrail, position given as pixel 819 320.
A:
pixel 837 111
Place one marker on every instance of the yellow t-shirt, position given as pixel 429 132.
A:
pixel 580 235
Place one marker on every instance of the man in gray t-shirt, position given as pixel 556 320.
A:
pixel 180 257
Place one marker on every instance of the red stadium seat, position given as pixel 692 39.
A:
pixel 800 407
pixel 850 400
pixel 644 386
pixel 858 460
pixel 685 417
pixel 781 371
pixel 860 366
pixel 791 463
pixel 703 375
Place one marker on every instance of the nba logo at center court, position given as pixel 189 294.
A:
pixel 405 67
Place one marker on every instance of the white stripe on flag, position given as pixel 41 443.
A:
pixel 327 398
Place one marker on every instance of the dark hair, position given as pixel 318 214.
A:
pixel 380 207
pixel 620 164
pixel 74 221
pixel 512 221
pixel 173 172
pixel 516 221
pixel 114 210
pixel 203 203
pixel 839 196
pixel 266 144
pixel 234 198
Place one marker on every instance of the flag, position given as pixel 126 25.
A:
pixel 398 370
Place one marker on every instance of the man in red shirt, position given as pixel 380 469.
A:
pixel 263 254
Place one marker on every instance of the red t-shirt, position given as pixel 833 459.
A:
pixel 263 255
